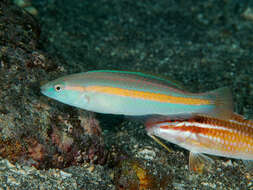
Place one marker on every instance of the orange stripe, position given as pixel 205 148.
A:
pixel 148 95
pixel 240 140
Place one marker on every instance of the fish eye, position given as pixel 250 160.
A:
pixel 58 88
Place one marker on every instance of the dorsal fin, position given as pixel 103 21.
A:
pixel 163 80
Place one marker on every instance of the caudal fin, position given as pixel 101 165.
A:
pixel 223 101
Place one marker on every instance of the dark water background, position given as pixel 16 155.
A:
pixel 204 44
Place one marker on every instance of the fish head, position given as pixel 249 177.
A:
pixel 155 123
pixel 170 130
pixel 66 91
pixel 152 127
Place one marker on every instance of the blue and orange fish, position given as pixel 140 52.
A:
pixel 135 94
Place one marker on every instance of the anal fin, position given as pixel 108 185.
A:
pixel 199 162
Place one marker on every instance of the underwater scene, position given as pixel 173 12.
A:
pixel 126 95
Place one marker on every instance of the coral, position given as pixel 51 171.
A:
pixel 12 150
pixel 90 125
pixel 67 141
pixel 132 175
pixel 36 150
pixel 31 154
pixel 62 140
pixel 77 141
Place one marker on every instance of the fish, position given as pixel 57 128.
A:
pixel 135 94
pixel 232 138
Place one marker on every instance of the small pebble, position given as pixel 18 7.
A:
pixel 91 168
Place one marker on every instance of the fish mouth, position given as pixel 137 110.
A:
pixel 44 89
pixel 149 127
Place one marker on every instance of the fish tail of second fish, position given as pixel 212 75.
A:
pixel 223 101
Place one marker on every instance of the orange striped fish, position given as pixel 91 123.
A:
pixel 231 138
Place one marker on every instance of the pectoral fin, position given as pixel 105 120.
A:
pixel 160 142
pixel 199 162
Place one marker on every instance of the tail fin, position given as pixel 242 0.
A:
pixel 222 98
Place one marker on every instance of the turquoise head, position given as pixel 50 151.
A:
pixel 66 91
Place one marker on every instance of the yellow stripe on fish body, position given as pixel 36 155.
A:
pixel 149 96
pixel 135 94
